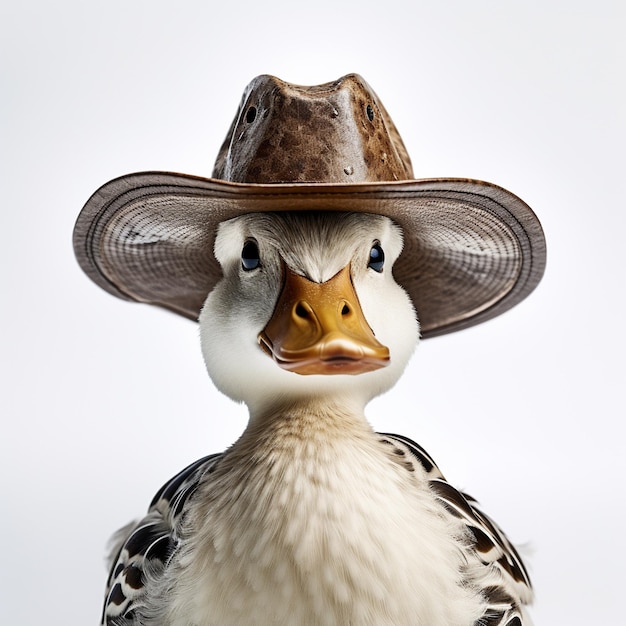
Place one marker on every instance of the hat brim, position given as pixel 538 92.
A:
pixel 472 250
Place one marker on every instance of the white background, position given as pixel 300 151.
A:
pixel 103 400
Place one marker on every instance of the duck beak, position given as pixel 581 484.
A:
pixel 319 328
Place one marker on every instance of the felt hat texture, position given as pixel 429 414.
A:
pixel 472 250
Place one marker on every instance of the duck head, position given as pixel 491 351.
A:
pixel 307 308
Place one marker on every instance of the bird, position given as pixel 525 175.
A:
pixel 311 517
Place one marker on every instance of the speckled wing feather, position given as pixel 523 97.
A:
pixel 506 586
pixel 148 545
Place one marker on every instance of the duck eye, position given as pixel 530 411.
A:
pixel 250 258
pixel 377 258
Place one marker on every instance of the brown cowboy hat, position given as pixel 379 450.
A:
pixel 472 250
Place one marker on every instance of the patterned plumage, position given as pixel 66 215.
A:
pixel 152 543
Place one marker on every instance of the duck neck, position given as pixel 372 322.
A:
pixel 309 419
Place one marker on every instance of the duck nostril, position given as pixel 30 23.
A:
pixel 345 310
pixel 302 311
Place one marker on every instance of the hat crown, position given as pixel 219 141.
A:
pixel 337 132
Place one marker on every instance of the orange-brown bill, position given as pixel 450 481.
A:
pixel 319 328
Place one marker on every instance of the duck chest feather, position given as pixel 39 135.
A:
pixel 307 524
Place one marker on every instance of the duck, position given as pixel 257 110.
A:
pixel 310 517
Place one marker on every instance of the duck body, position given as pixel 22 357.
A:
pixel 311 517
